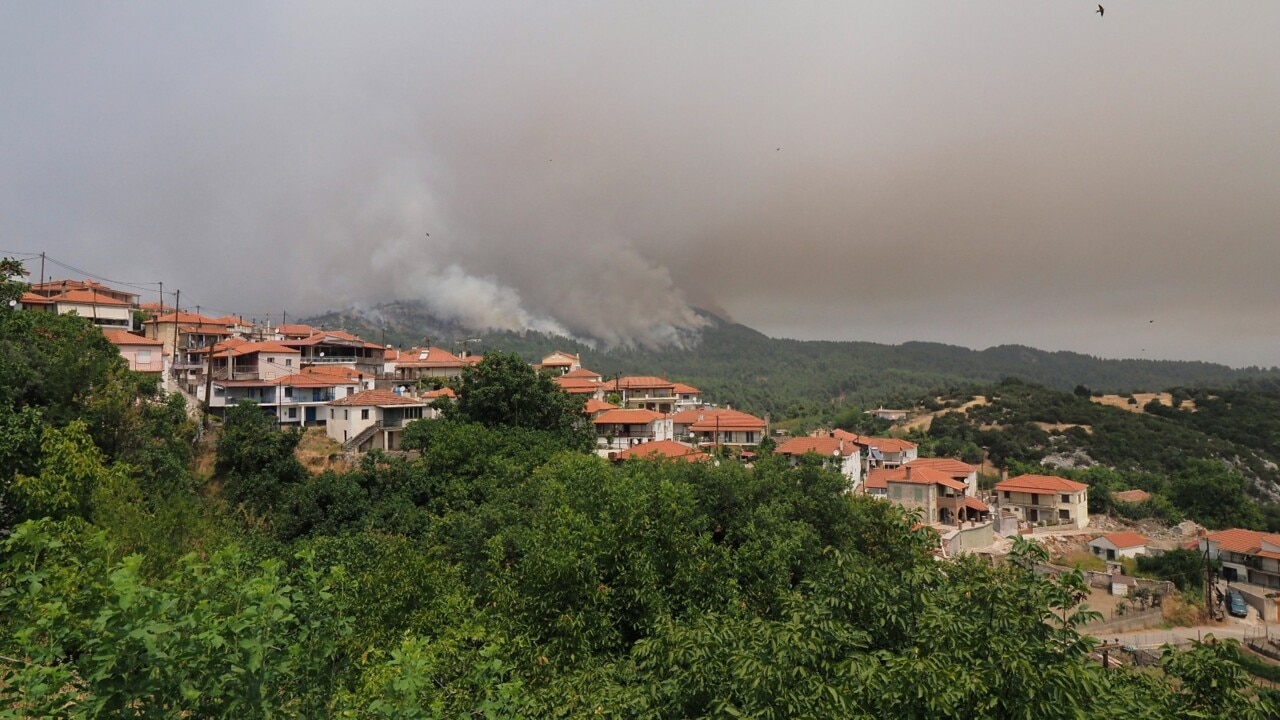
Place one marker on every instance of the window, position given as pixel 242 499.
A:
pixel 751 438
pixel 346 414
pixel 144 357
pixel 897 492
pixel 919 494
pixel 364 413
pixel 293 412
pixel 288 392
pixel 1064 514
pixel 1066 498
pixel 1006 494
pixel 1035 499
pixel 330 413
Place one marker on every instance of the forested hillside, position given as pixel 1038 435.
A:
pixel 501 572
pixel 1212 459
pixel 792 378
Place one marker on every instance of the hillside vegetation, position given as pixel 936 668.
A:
pixel 502 572
pixel 1212 458
pixel 739 366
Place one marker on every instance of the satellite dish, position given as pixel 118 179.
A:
pixel 13 303
pixel 835 453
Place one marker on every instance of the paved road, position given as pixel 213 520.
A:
pixel 1233 628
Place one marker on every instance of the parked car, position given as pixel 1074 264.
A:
pixel 1235 604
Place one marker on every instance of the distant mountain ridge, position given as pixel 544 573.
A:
pixel 735 364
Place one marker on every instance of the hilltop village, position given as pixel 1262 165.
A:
pixel 364 394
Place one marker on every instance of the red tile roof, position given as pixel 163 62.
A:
pixel 296 330
pixel 886 444
pixel 824 446
pixel 595 406
pixel 431 357
pixel 442 392
pixel 577 386
pixel 1125 539
pixel 89 297
pixel 184 317
pixel 878 479
pixel 1131 496
pixel 583 373
pixel 379 398
pixel 332 337
pixel 682 389
pixel 641 382
pixel 1040 484
pixel 663 449
pixel 120 337
pixel 31 298
pixel 627 417
pixel 974 503
pixel 925 476
pixel 726 421
pixel 1246 542
pixel 952 467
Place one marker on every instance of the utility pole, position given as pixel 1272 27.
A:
pixel 177 303
pixel 208 386
pixel 42 268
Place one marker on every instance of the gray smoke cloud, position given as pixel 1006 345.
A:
pixel 977 173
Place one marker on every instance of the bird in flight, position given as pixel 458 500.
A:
pixel 428 234
pixel 1101 11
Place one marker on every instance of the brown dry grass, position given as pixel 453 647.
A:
pixel 1180 613
pixel 922 421
pixel 318 452
pixel 1122 401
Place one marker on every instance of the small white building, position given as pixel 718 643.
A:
pixel 1116 545
pixel 845 455
pixel 372 419
pixel 623 428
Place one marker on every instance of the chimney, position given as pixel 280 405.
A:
pixel 908 467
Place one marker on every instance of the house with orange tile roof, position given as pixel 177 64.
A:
pixel 887 452
pixel 619 429
pixel 1045 500
pixel 644 392
pixel 724 427
pixel 595 406
pixel 663 450
pixel 559 362
pixel 592 389
pixel 1113 546
pixel 239 359
pixel 939 497
pixel 294 331
pixel 372 419
pixel 956 469
pixel 843 455
pixel 58 287
pixel 97 304
pixel 302 397
pixel 186 331
pixel 1247 556
pixel 687 396
pixel 421 363
pixel 142 354
pixel 336 347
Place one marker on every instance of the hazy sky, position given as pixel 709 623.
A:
pixel 977 173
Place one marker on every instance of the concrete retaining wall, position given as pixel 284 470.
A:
pixel 1125 623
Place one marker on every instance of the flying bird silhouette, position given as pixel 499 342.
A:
pixel 1101 11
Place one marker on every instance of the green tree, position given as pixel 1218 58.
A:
pixel 255 459
pixel 503 390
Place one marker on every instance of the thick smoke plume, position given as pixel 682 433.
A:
pixel 975 173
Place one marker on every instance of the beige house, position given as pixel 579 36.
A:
pixel 1045 500
pixel 846 456
pixel 939 497
pixel 142 354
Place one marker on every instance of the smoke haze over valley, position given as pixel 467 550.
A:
pixel 975 174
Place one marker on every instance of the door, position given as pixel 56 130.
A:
pixel 309 416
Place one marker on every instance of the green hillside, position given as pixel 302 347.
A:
pixel 1212 459
pixel 735 364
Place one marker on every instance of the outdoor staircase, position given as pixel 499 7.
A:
pixel 358 440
